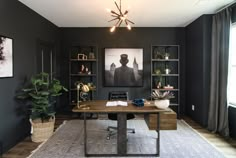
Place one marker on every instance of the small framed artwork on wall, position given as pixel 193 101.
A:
pixel 6 57
pixel 123 67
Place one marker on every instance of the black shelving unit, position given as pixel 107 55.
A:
pixel 165 70
pixel 76 60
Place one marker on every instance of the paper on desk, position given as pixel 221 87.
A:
pixel 116 103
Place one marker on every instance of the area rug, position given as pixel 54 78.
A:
pixel 67 142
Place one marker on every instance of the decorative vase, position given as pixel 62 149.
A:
pixel 162 104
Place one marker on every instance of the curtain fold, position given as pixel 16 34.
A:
pixel 218 110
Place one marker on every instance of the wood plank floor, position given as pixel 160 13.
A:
pixel 227 147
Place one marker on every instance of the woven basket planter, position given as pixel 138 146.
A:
pixel 42 131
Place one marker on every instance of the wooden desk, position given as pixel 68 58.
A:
pixel 99 106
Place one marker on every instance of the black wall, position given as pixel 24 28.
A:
pixel 232 123
pixel 198 50
pixel 138 37
pixel 26 28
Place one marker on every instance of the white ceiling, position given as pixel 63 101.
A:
pixel 145 13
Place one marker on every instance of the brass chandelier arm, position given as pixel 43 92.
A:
pixel 115 16
pixel 130 21
pixel 126 12
pixel 126 22
pixel 113 19
pixel 113 12
pixel 118 23
pixel 119 8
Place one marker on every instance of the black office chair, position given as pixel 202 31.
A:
pixel 118 95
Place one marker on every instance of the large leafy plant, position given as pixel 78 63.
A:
pixel 40 93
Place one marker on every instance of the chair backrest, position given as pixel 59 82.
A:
pixel 118 95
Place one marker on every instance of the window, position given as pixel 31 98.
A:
pixel 232 68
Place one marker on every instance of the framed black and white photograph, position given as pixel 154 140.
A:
pixel 123 67
pixel 6 57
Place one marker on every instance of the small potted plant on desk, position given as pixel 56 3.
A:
pixel 162 100
pixel 40 94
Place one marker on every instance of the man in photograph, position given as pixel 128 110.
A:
pixel 124 75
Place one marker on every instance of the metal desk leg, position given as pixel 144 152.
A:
pixel 122 134
pixel 158 134
pixel 85 136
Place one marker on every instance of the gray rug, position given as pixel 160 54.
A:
pixel 67 142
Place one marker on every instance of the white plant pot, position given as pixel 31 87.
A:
pixel 162 104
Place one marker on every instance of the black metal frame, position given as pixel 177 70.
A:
pixel 122 138
pixel 79 76
pixel 177 106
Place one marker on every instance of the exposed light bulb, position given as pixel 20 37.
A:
pixel 108 10
pixel 113 29
pixel 129 27
pixel 122 18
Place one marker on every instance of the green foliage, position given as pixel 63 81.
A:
pixel 39 94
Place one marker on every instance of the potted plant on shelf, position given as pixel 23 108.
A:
pixel 162 100
pixel 40 95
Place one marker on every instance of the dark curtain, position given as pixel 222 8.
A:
pixel 218 110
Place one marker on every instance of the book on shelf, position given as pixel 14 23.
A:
pixel 116 103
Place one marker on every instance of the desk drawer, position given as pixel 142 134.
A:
pixel 168 121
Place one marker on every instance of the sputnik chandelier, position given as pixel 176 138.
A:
pixel 119 17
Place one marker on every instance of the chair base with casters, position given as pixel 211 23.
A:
pixel 118 95
pixel 113 130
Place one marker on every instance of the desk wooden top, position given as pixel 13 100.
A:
pixel 99 106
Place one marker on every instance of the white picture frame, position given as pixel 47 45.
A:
pixel 6 57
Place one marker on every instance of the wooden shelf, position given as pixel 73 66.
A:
pixel 162 89
pixel 81 60
pixel 165 60
pixel 165 75
pixel 174 104
pixel 75 89
pixel 85 75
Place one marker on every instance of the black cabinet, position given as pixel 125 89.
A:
pixel 165 68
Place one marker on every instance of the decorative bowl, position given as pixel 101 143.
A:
pixel 162 104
